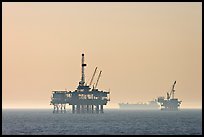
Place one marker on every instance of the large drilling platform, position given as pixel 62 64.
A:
pixel 84 99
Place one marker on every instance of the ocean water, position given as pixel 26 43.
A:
pixel 111 122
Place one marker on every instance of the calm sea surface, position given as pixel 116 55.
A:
pixel 112 122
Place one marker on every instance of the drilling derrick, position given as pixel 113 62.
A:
pixel 81 83
pixel 83 99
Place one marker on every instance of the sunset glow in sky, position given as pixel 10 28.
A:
pixel 141 48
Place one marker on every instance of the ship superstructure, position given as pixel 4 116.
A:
pixel 170 103
pixel 84 99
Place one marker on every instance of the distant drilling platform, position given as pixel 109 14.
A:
pixel 170 103
pixel 84 99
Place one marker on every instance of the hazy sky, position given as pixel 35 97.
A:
pixel 142 48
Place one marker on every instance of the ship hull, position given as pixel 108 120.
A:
pixel 139 107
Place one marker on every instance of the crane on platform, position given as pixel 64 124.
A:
pixel 93 76
pixel 172 92
pixel 97 80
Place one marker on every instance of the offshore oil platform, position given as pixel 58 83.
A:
pixel 84 99
pixel 170 103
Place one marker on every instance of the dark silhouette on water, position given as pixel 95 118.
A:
pixel 170 103
pixel 83 99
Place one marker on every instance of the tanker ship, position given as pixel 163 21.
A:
pixel 141 106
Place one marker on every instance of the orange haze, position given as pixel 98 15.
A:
pixel 142 48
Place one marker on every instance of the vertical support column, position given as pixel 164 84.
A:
pixel 61 107
pixel 101 108
pixel 92 108
pixel 64 108
pixel 97 109
pixel 54 108
pixel 76 109
pixel 82 108
pixel 57 108
pixel 73 109
pixel 87 108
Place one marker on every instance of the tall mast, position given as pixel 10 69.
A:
pixel 82 71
